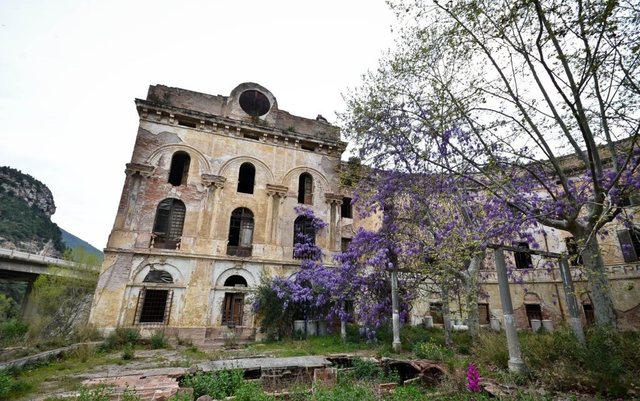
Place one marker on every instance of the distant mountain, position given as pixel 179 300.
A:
pixel 71 241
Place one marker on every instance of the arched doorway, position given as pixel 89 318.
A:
pixel 233 305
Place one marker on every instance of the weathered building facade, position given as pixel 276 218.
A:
pixel 208 206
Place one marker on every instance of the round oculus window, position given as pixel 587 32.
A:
pixel 254 103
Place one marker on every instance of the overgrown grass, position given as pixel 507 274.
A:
pixel 607 365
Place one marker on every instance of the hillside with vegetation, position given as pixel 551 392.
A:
pixel 26 206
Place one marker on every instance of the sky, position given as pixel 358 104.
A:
pixel 70 71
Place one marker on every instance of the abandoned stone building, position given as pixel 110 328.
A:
pixel 208 207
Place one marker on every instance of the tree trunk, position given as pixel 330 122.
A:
pixel 598 280
pixel 471 298
pixel 446 316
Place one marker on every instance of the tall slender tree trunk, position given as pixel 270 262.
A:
pixel 446 315
pixel 471 298
pixel 598 280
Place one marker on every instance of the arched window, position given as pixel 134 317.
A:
pixel 246 178
pixel 303 227
pixel 235 281
pixel 305 189
pixel 240 232
pixel 154 304
pixel 179 169
pixel 167 228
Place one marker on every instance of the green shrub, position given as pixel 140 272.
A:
pixel 181 396
pixel 119 339
pixel 432 351
pixel 5 383
pixel 345 392
pixel 158 341
pixel 13 332
pixel 128 353
pixel 218 385
pixel 366 369
pixel 251 392
pixel 491 350
pixel 99 393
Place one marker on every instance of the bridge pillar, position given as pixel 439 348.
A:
pixel 27 309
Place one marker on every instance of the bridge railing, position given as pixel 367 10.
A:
pixel 42 259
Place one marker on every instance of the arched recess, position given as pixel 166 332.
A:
pixel 295 173
pixel 241 228
pixel 235 281
pixel 246 178
pixel 239 160
pixel 179 170
pixel 250 278
pixel 170 149
pixel 146 266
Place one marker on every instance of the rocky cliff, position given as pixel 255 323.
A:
pixel 26 206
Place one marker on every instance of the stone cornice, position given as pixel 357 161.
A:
pixel 279 190
pixel 213 180
pixel 333 198
pixel 136 168
pixel 165 114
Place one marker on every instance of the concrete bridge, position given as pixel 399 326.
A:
pixel 26 267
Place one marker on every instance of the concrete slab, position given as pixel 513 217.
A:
pixel 266 363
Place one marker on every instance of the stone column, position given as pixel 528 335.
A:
pixel 134 189
pixel 213 185
pixel 334 201
pixel 572 303
pixel 515 361
pixel 277 195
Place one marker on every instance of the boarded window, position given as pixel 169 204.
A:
pixel 158 276
pixel 534 311
pixel 344 244
pixel 168 224
pixel 346 208
pixel 240 232
pixel 523 259
pixel 179 169
pixel 483 313
pixel 630 244
pixel 154 306
pixel 246 178
pixel 575 258
pixel 305 189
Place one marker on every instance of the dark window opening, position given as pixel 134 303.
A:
pixel 305 189
pixel 523 259
pixel 253 137
pixel 346 208
pixel 158 276
pixel 303 232
pixel 344 244
pixel 575 258
pixel 630 244
pixel 308 146
pixel 179 169
pixel 534 311
pixel 235 281
pixel 167 228
pixel 240 233
pixel 154 306
pixel 246 178
pixel 435 310
pixel 483 313
pixel 254 103
pixel 186 124
pixel 588 313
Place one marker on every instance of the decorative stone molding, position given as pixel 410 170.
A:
pixel 216 180
pixel 280 190
pixel 143 169
pixel 333 198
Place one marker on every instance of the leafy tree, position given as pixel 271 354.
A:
pixel 62 300
pixel 533 103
